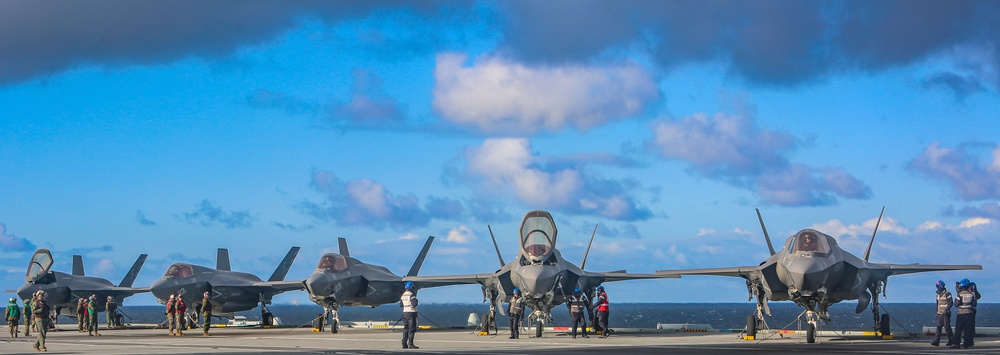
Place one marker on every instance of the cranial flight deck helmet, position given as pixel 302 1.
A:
pixel 408 285
pixel 939 284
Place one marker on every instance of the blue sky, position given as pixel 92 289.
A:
pixel 175 128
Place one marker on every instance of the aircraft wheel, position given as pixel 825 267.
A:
pixel 811 333
pixel 883 325
pixel 334 326
pixel 751 325
pixel 538 328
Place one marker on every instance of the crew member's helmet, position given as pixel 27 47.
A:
pixel 12 300
pixel 409 285
pixel 206 293
pixel 600 288
pixel 939 284
pixel 964 282
pixel 171 296
pixel 576 290
pixel 516 291
pixel 110 298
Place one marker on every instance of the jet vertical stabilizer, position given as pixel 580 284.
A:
pixel 286 263
pixel 78 266
pixel 495 244
pixel 222 260
pixel 133 272
pixel 767 238
pixel 868 251
pixel 420 257
pixel 584 263
pixel 343 247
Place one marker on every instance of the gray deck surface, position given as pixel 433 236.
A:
pixel 367 341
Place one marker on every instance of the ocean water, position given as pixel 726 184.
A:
pixel 908 317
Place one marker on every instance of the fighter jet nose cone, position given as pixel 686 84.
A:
pixel 533 280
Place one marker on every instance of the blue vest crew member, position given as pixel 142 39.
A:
pixel 515 310
pixel 408 301
pixel 577 304
pixel 966 303
pixel 943 316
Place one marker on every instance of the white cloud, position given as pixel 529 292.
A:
pixel 732 149
pixel 103 267
pixel 975 222
pixel 409 236
pixel 508 164
pixel 495 95
pixel 968 176
pixel 461 234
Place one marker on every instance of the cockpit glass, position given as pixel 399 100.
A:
pixel 178 271
pixel 332 262
pixel 809 241
pixel 538 236
pixel 40 264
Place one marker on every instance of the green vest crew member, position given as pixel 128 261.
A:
pixel 28 319
pixel 206 312
pixel 112 312
pixel 13 317
pixel 92 315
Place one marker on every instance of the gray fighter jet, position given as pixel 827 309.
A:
pixel 815 273
pixel 231 291
pixel 544 278
pixel 63 290
pixel 341 280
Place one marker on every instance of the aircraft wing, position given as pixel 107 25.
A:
pixel 448 280
pixel 129 290
pixel 887 270
pixel 624 276
pixel 280 286
pixel 746 272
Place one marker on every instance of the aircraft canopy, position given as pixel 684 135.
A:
pixel 179 271
pixel 538 234
pixel 809 241
pixel 332 262
pixel 39 266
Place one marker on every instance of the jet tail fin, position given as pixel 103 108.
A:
pixel 286 263
pixel 868 251
pixel 222 260
pixel 584 263
pixel 78 265
pixel 495 245
pixel 767 238
pixel 420 257
pixel 133 272
pixel 343 246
